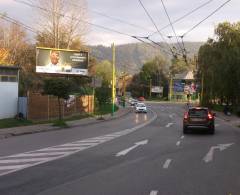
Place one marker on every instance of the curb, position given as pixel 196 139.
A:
pixel 52 128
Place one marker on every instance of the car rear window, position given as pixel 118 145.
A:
pixel 198 112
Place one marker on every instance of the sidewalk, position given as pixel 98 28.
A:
pixel 232 119
pixel 15 131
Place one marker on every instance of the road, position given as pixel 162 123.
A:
pixel 138 154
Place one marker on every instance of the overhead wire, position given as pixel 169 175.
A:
pixel 173 29
pixel 212 13
pixel 150 17
pixel 75 18
pixel 83 21
pixel 182 17
pixel 113 18
pixel 11 20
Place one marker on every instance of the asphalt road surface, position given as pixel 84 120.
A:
pixel 138 154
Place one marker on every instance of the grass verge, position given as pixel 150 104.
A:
pixel 12 122
pixel 60 123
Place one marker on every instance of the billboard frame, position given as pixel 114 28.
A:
pixel 62 74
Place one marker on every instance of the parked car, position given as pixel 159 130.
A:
pixel 140 107
pixel 199 117
pixel 141 98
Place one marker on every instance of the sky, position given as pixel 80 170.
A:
pixel 131 11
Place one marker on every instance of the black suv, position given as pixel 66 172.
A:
pixel 199 117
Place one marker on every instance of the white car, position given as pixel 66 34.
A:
pixel 140 107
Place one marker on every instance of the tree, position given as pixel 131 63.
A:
pixel 219 65
pixel 154 70
pixel 58 87
pixel 15 50
pixel 104 70
pixel 180 65
pixel 61 23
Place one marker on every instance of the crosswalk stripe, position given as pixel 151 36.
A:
pixel 13 163
pixel 62 148
pixel 24 160
pixel 38 154
pixel 87 141
pixel 77 144
pixel 12 167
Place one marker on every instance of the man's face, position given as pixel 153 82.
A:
pixel 54 56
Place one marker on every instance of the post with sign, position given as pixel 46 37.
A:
pixel 113 78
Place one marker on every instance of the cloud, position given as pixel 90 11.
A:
pixel 132 12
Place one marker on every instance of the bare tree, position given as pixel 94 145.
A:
pixel 61 23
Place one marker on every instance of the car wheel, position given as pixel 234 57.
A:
pixel 185 129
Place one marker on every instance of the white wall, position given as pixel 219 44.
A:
pixel 8 99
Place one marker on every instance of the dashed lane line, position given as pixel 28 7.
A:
pixel 167 163
pixel 154 192
pixel 17 162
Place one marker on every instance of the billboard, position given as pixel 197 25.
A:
pixel 178 86
pixel 157 89
pixel 59 61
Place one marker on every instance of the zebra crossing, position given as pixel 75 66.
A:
pixel 17 162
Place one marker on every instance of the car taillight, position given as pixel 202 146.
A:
pixel 185 115
pixel 210 116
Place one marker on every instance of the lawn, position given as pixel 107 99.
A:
pixel 11 122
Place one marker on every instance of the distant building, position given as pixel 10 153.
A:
pixel 8 91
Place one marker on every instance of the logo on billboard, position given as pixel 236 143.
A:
pixel 60 61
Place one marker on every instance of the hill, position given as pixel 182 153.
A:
pixel 132 56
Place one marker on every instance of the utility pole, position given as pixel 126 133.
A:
pixel 113 78
pixel 170 88
pixel 202 88
pixel 150 88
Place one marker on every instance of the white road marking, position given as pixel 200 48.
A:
pixel 62 149
pixel 178 143
pixel 169 124
pixel 124 152
pixel 167 163
pixel 59 151
pixel 221 147
pixel 217 125
pixel 153 192
pixel 182 137
pixel 76 144
pixel 13 167
pixel 24 160
pixel 38 154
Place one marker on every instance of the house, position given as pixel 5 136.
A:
pixel 9 76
